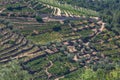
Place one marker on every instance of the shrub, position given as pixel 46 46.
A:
pixel 13 71
pixel 57 28
pixel 39 19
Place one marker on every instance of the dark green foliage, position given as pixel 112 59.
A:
pixel 39 19
pixel 11 42
pixel 13 71
pixel 57 29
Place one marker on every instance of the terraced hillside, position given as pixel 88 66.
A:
pixel 71 43
pixel 59 9
pixel 39 7
pixel 72 51
pixel 14 45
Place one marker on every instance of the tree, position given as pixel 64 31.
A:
pixel 13 71
pixel 39 19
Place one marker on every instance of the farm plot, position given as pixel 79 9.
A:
pixel 56 32
pixel 58 9
pixel 69 60
pixel 14 45
pixel 108 44
pixel 15 9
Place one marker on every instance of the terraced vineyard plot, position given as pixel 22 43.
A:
pixel 47 37
pixel 45 62
pixel 76 53
pixel 59 32
pixel 14 45
pixel 66 43
pixel 58 9
pixel 32 27
pixel 107 43
pixel 73 60
pixel 15 9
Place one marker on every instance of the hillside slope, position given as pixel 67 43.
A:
pixel 59 9
pixel 59 40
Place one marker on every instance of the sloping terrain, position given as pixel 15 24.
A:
pixel 59 9
pixel 67 43
pixel 14 45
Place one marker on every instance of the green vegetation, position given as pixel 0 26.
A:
pixel 56 8
pixel 109 11
pixel 13 71
pixel 59 40
pixel 39 19
pixel 45 38
pixel 88 74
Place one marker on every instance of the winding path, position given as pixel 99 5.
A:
pixel 2 10
pixel 59 78
pixel 46 70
